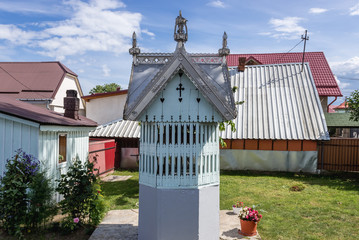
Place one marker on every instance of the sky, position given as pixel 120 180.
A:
pixel 92 37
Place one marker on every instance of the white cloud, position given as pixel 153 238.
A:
pixel 35 7
pixel 145 31
pixel 217 4
pixel 94 26
pixel 106 70
pixel 317 10
pixel 354 10
pixel 16 35
pixel 342 85
pixel 287 28
pixel 349 67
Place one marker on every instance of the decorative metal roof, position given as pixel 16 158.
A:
pixel 152 71
pixel 322 74
pixel 280 102
pixel 118 129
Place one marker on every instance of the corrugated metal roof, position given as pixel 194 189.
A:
pixel 280 102
pixel 322 74
pixel 118 129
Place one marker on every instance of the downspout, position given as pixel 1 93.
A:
pixel 331 103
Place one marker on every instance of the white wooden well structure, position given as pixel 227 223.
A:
pixel 179 99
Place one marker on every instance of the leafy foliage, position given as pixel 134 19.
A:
pixel 82 195
pixel 110 87
pixel 353 105
pixel 25 194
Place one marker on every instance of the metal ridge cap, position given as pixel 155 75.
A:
pixel 154 54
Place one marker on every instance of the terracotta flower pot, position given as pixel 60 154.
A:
pixel 248 228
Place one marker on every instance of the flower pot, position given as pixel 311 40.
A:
pixel 248 228
pixel 236 210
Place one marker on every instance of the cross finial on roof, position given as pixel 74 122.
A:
pixel 181 32
pixel 224 51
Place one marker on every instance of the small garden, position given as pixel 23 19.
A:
pixel 287 205
pixel 293 206
pixel 28 209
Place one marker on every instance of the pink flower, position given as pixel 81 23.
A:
pixel 260 215
pixel 76 220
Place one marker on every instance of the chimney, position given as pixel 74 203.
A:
pixel 241 64
pixel 71 104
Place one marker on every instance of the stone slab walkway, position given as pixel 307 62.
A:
pixel 115 178
pixel 123 225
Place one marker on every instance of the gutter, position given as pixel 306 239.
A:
pixel 331 103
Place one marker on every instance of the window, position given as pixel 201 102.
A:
pixel 62 148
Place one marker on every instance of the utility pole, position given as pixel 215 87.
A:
pixel 305 37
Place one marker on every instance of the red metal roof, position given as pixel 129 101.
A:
pixel 343 105
pixel 322 74
pixel 32 80
pixel 40 115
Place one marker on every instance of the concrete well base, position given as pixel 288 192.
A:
pixel 178 214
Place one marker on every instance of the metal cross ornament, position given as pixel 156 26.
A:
pixel 180 89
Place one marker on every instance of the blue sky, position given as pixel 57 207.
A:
pixel 93 37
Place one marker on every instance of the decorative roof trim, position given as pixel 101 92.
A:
pixel 182 60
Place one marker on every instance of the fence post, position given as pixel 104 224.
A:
pixel 322 155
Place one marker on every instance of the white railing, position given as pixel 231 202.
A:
pixel 179 155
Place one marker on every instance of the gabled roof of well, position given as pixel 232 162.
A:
pixel 152 71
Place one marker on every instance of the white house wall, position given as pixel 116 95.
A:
pixel 16 133
pixel 106 109
pixel 262 160
pixel 77 146
pixel 69 83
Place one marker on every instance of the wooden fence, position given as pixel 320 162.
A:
pixel 339 154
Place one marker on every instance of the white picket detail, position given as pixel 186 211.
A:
pixel 179 154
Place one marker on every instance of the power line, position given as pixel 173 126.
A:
pixel 283 54
pixel 348 78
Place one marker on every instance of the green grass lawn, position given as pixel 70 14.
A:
pixel 328 207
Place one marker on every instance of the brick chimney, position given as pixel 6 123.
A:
pixel 241 64
pixel 71 104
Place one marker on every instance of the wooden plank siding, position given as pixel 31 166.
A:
pixel 339 154
pixel 275 145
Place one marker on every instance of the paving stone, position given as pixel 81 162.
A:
pixel 115 178
pixel 123 225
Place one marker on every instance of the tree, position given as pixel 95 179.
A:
pixel 353 105
pixel 108 87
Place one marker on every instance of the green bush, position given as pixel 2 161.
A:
pixel 25 194
pixel 82 196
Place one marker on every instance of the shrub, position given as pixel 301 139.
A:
pixel 21 199
pixel 82 195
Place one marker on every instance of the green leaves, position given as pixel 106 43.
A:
pixel 111 87
pixel 25 195
pixel 81 200
pixel 353 105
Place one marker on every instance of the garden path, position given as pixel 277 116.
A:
pixel 123 224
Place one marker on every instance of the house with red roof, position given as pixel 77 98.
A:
pixel 55 139
pixel 40 83
pixel 323 76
